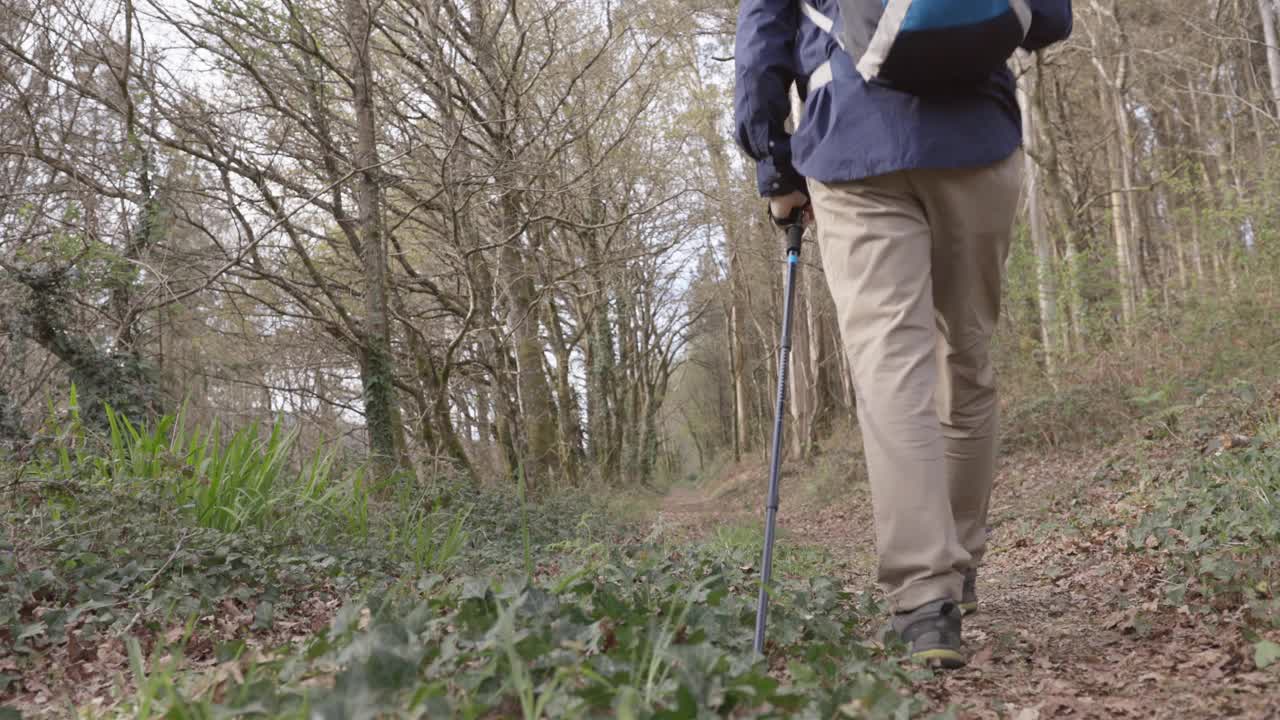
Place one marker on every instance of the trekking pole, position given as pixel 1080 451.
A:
pixel 795 233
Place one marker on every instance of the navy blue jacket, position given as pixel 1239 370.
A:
pixel 851 129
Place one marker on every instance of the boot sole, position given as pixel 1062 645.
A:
pixel 968 608
pixel 939 657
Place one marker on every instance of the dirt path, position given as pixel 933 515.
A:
pixel 1067 625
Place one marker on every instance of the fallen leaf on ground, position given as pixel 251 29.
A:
pixel 1028 713
pixel 983 657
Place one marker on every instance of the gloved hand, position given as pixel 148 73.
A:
pixel 787 209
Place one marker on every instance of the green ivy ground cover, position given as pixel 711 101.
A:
pixel 1217 523
pixel 128 589
pixel 628 629
pixel 660 638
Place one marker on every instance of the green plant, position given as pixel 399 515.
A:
pixel 1220 522
pixel 644 636
pixel 233 486
pixel 225 484
pixel 431 539
pixel 139 453
pixel 744 543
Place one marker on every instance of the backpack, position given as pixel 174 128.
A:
pixel 925 47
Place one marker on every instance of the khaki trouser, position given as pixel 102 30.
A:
pixel 914 261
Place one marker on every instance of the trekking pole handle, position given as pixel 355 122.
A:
pixel 795 236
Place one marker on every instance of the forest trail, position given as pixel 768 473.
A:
pixel 1067 624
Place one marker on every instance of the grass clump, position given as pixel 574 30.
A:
pixel 230 482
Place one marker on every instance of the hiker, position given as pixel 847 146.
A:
pixel 904 148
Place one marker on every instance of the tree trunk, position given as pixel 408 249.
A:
pixel 1127 159
pixel 570 433
pixel 824 380
pixel 1075 283
pixel 137 238
pixel 377 365
pixel 741 388
pixel 801 379
pixel 1047 158
pixel 128 383
pixel 734 232
pixel 436 422
pixel 736 381
pixel 1046 278
pixel 1112 91
pixel 506 428
pixel 1120 221
pixel 540 460
pixel 626 427
pixel 648 443
pixel 1178 248
pixel 1269 11
pixel 1166 201
pixel 601 367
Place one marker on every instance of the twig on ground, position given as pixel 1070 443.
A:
pixel 138 593
pixel 19 480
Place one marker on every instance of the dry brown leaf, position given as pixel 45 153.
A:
pixel 1114 620
pixel 983 658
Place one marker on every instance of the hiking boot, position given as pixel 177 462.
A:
pixel 969 598
pixel 932 632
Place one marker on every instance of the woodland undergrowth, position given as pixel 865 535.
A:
pixel 165 570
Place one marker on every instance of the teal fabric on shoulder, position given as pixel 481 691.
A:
pixel 933 14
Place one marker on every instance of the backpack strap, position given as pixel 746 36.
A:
pixel 895 12
pixel 1023 10
pixel 822 75
pixel 822 21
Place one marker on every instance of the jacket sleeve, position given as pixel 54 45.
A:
pixel 1051 22
pixel 764 64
